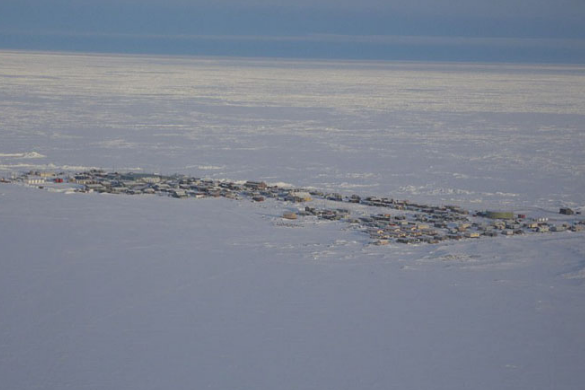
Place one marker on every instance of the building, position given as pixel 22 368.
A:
pixel 256 185
pixel 289 215
pixel 34 180
pixel 298 196
pixel 499 214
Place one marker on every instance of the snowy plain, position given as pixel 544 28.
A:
pixel 119 292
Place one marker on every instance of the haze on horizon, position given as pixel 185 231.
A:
pixel 540 31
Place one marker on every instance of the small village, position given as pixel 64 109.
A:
pixel 384 220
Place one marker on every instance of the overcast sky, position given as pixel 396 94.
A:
pixel 458 30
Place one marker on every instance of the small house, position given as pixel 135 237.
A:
pixel 256 185
pixel 289 215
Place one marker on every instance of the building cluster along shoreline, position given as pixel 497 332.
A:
pixel 384 220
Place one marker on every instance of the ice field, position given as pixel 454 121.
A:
pixel 146 292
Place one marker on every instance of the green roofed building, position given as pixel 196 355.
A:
pixel 499 214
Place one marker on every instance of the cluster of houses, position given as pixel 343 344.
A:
pixel 407 223
pixel 421 228
pixel 178 186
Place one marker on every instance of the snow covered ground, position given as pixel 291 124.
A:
pixel 146 292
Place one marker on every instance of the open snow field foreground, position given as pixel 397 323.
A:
pixel 99 291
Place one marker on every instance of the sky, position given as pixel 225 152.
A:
pixel 542 31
